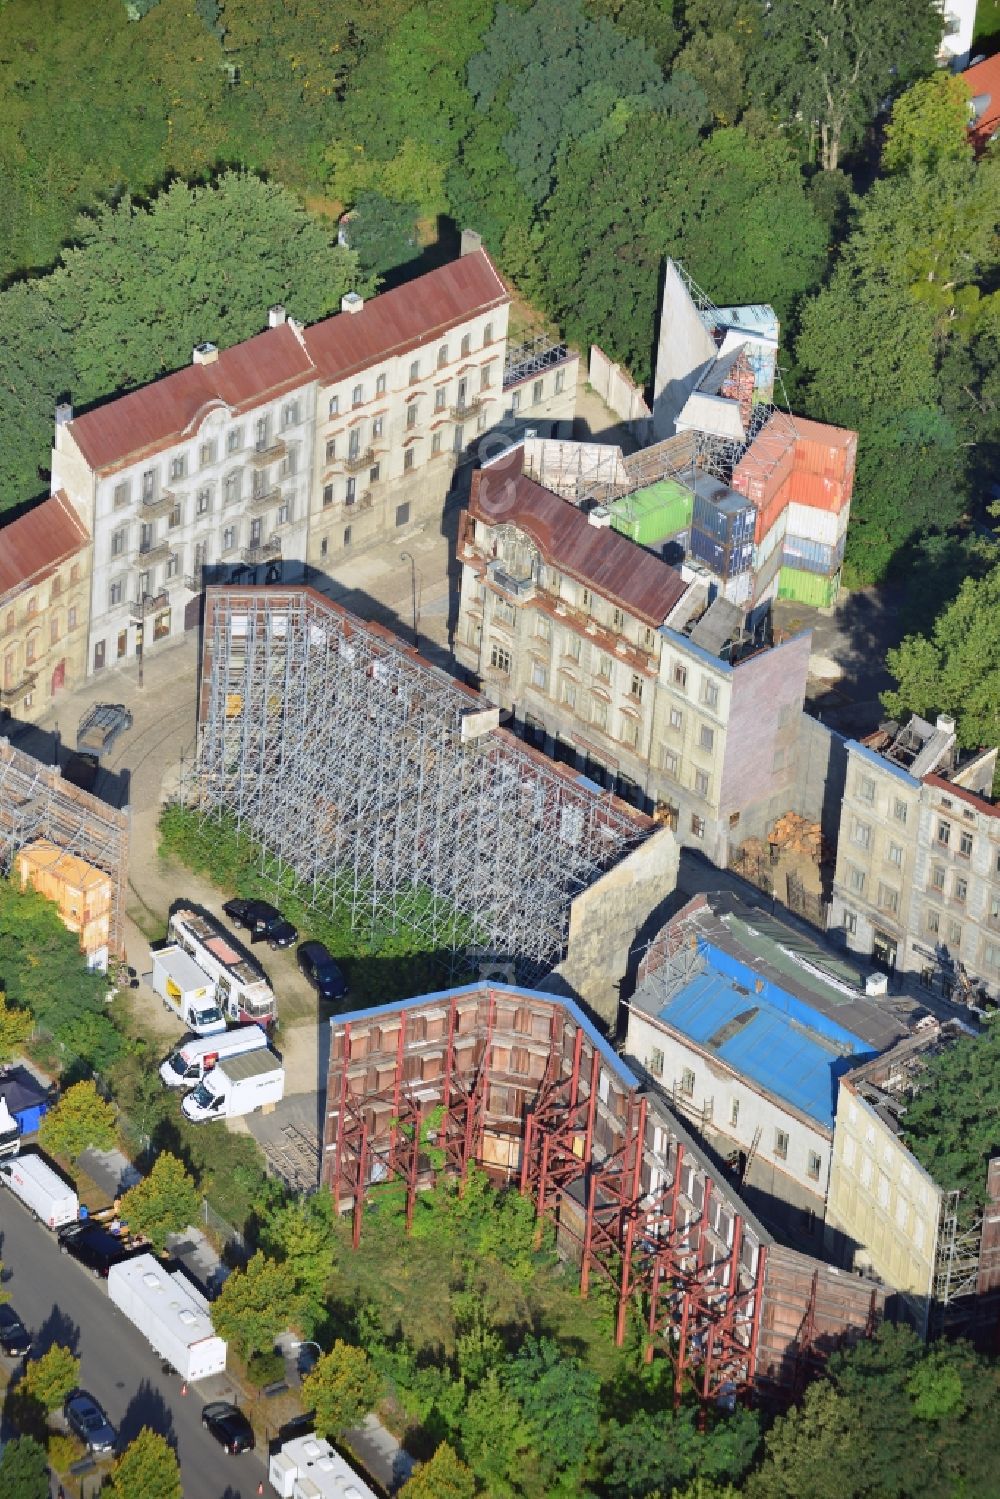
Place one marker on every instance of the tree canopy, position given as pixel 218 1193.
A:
pixel 341 1388
pixel 81 1120
pixel 953 1121
pixel 163 1203
pixel 24 1470
pixel 149 1467
pixel 254 1305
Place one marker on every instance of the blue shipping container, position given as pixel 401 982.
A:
pixel 725 561
pixel 720 512
pixel 812 556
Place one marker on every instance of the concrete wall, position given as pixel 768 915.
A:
pixel 544 401
pixel 883 1208
pixel 618 391
pixel 765 713
pixel 684 351
pixel 607 919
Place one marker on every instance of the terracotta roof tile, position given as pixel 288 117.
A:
pixel 170 409
pixel 37 542
pixel 609 563
pixel 250 373
pixel 399 320
pixel 983 80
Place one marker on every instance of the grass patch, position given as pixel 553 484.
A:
pixel 383 961
pixel 986 32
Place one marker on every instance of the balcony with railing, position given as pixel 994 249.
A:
pixel 158 504
pixel 261 457
pixel 13 692
pixel 195 581
pixel 355 462
pixel 259 502
pixel 156 551
pixel 262 551
pixel 462 410
pixel 149 603
pixel 521 589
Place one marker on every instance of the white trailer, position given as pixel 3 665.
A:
pixel 187 990
pixel 42 1190
pixel 238 1085
pixel 309 1466
pixel 171 1314
pixel 188 1064
pixel 10 1135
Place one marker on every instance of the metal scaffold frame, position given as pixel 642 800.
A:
pixel 36 803
pixel 369 775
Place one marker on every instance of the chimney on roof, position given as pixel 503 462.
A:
pixel 945 723
pixel 471 242
pixel 600 517
pixel 351 302
pixel 276 315
pixel 204 354
pixel 64 413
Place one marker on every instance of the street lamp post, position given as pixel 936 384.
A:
pixel 408 557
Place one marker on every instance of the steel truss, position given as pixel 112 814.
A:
pixel 368 774
pixel 36 803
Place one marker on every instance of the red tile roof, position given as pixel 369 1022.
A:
pixel 401 319
pixel 171 409
pixel 597 556
pixel 988 809
pixel 984 83
pixel 37 542
pixel 261 368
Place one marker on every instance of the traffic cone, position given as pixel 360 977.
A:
pixel 184 1388
pixel 260 1488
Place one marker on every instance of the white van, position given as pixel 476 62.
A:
pixel 42 1190
pixel 189 1063
pixel 187 990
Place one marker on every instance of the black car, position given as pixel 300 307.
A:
pixel 322 971
pixel 96 1247
pixel 15 1339
pixel 229 1426
pixel 263 921
pixel 86 1420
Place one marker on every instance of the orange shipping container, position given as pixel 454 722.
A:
pixel 768 513
pixel 817 490
pixel 762 471
pixel 823 449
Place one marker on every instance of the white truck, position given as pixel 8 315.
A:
pixel 171 1314
pixel 42 1190
pixel 240 988
pixel 10 1135
pixel 187 990
pixel 188 1064
pixel 238 1085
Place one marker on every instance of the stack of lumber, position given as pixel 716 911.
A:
pixel 797 835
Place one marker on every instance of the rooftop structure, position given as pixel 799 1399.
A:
pixel 385 786
pixel 983 82
pixel 38 542
pixel 521 1084
pixel 569 540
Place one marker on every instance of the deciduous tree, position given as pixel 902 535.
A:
pixel 80 1121
pixel 50 1379
pixel 443 1476
pixel 15 1027
pixel 342 1387
pixel 24 1470
pixel 255 1305
pixel 149 1467
pixel 163 1203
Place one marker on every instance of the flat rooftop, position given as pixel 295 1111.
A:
pixel 780 1008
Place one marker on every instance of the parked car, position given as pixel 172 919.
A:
pixel 322 971
pixel 228 1425
pixel 86 1419
pixel 263 921
pixel 101 725
pixel 15 1339
pixel 97 1248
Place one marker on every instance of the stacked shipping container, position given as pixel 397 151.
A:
pixel 800 476
pixel 654 514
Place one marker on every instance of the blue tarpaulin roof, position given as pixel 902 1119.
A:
pixel 760 1030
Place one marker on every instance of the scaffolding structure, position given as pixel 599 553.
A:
pixel 533 357
pixel 36 803
pixel 519 1083
pixel 385 786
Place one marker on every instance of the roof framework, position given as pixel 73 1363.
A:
pixel 381 784
pixel 36 803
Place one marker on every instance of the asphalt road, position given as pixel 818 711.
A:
pixel 60 1302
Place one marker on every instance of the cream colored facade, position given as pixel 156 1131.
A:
pixel 883 1209
pixel 390 436
pixel 43 620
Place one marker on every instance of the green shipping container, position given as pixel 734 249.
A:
pixel 808 588
pixel 651 515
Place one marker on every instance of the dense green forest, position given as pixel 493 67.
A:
pixel 168 168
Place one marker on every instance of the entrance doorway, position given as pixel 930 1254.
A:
pixel 884 949
pixel 58 678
